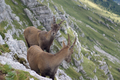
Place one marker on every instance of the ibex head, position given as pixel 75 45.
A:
pixel 70 49
pixel 55 27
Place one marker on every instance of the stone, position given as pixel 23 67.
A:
pixel 1 40
pixel 61 39
pixel 77 63
pixel 95 70
pixel 65 65
pixel 110 77
pixel 89 57
pixel 61 75
pixel 34 21
pixel 14 2
pixel 95 78
pixel 81 78
pixel 104 68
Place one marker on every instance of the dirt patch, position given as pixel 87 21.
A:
pixel 2 76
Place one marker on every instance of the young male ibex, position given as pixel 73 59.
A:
pixel 46 63
pixel 44 39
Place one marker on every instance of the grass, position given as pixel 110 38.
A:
pixel 4 48
pixel 12 74
pixel 72 73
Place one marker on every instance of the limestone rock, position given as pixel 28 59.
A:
pixel 81 78
pixel 61 75
pixel 65 64
pixel 1 40
pixel 34 21
pixel 104 68
pixel 41 13
pixel 14 2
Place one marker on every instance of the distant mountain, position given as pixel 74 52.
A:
pixel 117 1
pixel 110 5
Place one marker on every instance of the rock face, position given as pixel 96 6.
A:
pixel 34 21
pixel 5 10
pixel 41 12
pixel 16 47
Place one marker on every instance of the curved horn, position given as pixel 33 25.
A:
pixel 73 43
pixel 54 22
pixel 68 39
pixel 61 22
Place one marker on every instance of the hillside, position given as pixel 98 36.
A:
pixel 117 1
pixel 109 5
pixel 97 50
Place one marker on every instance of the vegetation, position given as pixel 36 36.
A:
pixel 12 74
pixel 109 5
pixel 4 48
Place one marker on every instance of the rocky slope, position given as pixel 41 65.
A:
pixel 91 61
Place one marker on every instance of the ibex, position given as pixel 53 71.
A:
pixel 44 39
pixel 47 64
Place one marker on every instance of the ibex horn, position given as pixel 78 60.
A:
pixel 60 22
pixel 73 43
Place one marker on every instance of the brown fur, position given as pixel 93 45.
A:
pixel 44 39
pixel 46 63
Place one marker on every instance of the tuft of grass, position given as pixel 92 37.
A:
pixel 4 48
pixel 2 34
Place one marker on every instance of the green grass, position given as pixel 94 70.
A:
pixel 91 37
pixel 72 73
pixel 4 48
pixel 12 74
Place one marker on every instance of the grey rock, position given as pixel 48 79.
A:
pixel 104 68
pixel 95 78
pixel 61 75
pixel 95 70
pixel 16 46
pixel 14 2
pixel 61 39
pixel 34 21
pixel 65 64
pixel 89 57
pixel 41 13
pixel 77 63
pixel 110 77
pixel 81 78
pixel 55 8
pixel 1 40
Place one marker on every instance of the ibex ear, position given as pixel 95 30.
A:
pixel 68 40
pixel 73 43
pixel 63 44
